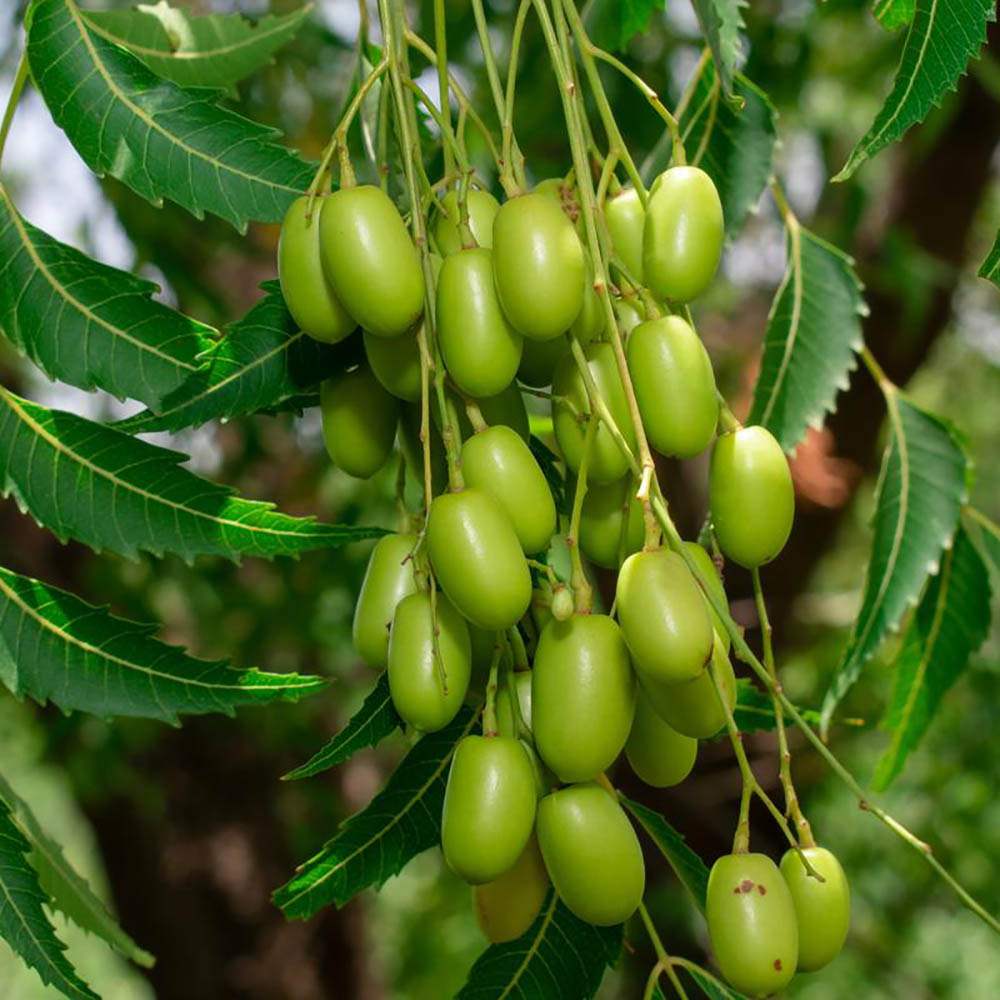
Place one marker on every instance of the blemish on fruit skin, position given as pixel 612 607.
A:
pixel 777 965
pixel 746 885
pixel 762 890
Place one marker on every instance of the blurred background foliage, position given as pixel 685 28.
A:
pixel 187 831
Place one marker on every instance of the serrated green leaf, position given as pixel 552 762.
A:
pixel 687 866
pixel 893 14
pixel 23 923
pixel 733 146
pixel 986 535
pixel 943 36
pixel 754 712
pixel 711 987
pixel 89 482
pixel 813 334
pixel 88 324
pixel 161 140
pixel 261 363
pixel 990 269
pixel 721 23
pixel 67 890
pixel 558 958
pixel 56 647
pixel 950 624
pixel 922 487
pixel 403 820
pixel 612 24
pixel 375 720
pixel 211 50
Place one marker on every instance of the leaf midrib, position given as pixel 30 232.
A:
pixel 151 122
pixel 11 400
pixel 535 945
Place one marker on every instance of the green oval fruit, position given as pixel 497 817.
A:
pixel 662 613
pixel 630 313
pixel 711 572
pixel 751 496
pixel 606 463
pixel 659 755
pixel 693 708
pixel 603 521
pixel 415 682
pixel 388 579
pixel 506 907
pixel 370 260
pixel 498 462
pixel 413 450
pixel 751 923
pixel 674 386
pixel 592 854
pixel 823 909
pixel 489 807
pixel 481 350
pixel 591 322
pixel 582 695
pixel 359 421
pixel 551 187
pixel 482 210
pixel 477 558
pixel 683 234
pixel 539 359
pixel 395 362
pixel 626 218
pixel 539 267
pixel 308 295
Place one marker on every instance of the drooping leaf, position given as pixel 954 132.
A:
pixel 985 534
pixel 56 647
pixel 89 482
pixel 403 820
pixel 990 269
pixel 612 24
pixel 23 923
pixel 687 866
pixel 813 333
pixel 375 720
pixel 212 50
pixel 558 958
pixel 67 890
pixel 943 36
pixel 893 14
pixel 721 23
pixel 161 140
pixel 950 624
pixel 734 146
pixel 754 712
pixel 261 363
pixel 921 489
pixel 88 324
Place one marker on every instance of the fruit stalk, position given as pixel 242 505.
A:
pixel 665 963
pixel 581 587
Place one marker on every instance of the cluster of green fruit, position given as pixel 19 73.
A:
pixel 456 610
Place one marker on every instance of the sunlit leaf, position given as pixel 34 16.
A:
pixel 893 14
pixel 721 23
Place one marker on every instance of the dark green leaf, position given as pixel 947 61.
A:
pixel 950 624
pixel 688 867
pixel 68 892
pixel 558 958
pixel 943 36
pixel 813 333
pixel 214 50
pixel 161 140
pixel 262 363
pixel 893 14
pixel 88 324
pixel 986 535
pixel 375 720
pixel 552 470
pixel 921 489
pixel 23 923
pixel 376 843
pixel 711 987
pixel 108 490
pixel 721 23
pixel 991 266
pixel 55 647
pixel 734 146
pixel 612 24
pixel 754 712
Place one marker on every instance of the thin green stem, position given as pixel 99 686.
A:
pixel 665 961
pixel 452 150
pixel 441 49
pixel 511 154
pixel 490 727
pixel 582 596
pixel 20 78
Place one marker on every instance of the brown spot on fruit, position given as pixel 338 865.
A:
pixel 777 965
pixel 762 889
pixel 747 885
